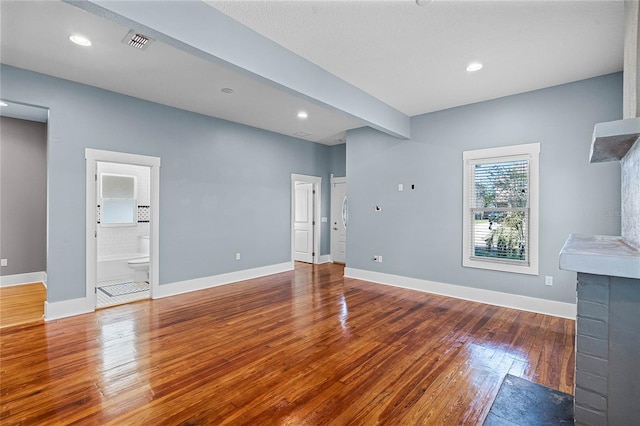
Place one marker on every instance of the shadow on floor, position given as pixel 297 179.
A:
pixel 524 403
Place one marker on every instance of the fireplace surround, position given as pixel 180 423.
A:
pixel 607 375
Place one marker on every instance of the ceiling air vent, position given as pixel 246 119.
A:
pixel 137 40
pixel 302 134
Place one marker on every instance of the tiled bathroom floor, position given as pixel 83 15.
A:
pixel 103 299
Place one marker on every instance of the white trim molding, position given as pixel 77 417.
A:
pixel 325 258
pixel 93 156
pixel 507 300
pixel 505 154
pixel 203 283
pixel 68 308
pixel 20 279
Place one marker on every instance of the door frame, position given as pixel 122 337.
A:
pixel 317 187
pixel 342 179
pixel 93 156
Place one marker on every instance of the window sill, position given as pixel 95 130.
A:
pixel 501 267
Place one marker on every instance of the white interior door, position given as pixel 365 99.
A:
pixel 339 219
pixel 303 222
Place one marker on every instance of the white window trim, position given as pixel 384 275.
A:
pixel 531 150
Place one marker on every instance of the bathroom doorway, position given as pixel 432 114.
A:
pixel 122 231
pixel 122 213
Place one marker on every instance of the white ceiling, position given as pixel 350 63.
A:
pixel 35 36
pixel 410 57
pixel 414 57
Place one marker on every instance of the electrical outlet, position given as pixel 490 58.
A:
pixel 548 280
pixel 377 259
pixel 3 262
pixel 400 187
pixel 237 256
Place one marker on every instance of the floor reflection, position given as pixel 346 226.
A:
pixel 344 313
pixel 119 357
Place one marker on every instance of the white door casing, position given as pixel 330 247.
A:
pixel 305 213
pixel 339 221
pixel 303 222
pixel 93 156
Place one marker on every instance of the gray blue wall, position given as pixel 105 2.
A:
pixel 338 160
pixel 419 232
pixel 224 187
pixel 23 192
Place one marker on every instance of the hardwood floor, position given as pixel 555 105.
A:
pixel 22 304
pixel 306 347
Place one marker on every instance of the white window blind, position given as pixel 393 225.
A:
pixel 500 210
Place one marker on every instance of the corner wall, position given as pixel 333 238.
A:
pixel 419 232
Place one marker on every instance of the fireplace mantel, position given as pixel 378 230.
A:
pixel 612 140
pixel 600 255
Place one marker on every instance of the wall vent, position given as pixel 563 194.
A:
pixel 137 40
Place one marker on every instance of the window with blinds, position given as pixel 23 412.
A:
pixel 500 194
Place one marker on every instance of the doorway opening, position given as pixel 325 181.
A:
pixel 122 213
pixel 23 212
pixel 339 219
pixel 122 227
pixel 305 218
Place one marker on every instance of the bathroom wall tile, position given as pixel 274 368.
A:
pixel 144 214
pixel 121 240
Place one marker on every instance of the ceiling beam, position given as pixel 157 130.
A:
pixel 202 30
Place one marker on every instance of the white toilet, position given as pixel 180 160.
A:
pixel 140 265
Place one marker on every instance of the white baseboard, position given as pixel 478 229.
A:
pixel 19 279
pixel 325 258
pixel 187 286
pixel 515 301
pixel 67 308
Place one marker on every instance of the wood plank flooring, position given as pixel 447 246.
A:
pixel 22 304
pixel 306 347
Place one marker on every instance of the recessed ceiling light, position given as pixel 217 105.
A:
pixel 80 40
pixel 474 66
pixel 302 115
pixel 3 104
pixel 227 90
